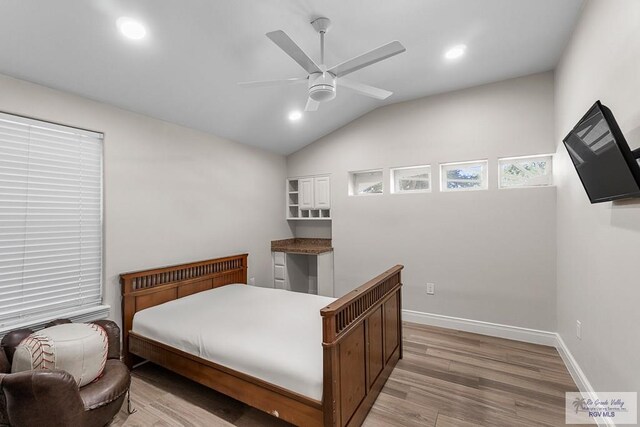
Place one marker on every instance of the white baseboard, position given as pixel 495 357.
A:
pixel 577 374
pixel 572 365
pixel 516 333
pixel 484 328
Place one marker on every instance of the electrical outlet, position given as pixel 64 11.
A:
pixel 252 281
pixel 579 329
pixel 431 289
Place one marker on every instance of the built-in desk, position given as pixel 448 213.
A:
pixel 303 265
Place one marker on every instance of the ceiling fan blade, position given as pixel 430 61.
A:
pixel 311 105
pixel 376 55
pixel 294 51
pixel 364 89
pixel 281 82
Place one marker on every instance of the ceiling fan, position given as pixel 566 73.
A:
pixel 322 81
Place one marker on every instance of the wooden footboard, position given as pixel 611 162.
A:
pixel 362 340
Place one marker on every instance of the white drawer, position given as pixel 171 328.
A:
pixel 278 272
pixel 278 284
pixel 278 258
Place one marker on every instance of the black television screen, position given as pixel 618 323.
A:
pixel 601 155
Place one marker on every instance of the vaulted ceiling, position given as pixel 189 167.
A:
pixel 185 71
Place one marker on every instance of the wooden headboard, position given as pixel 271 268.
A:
pixel 148 288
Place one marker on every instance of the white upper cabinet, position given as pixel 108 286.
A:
pixel 322 192
pixel 309 197
pixel 306 193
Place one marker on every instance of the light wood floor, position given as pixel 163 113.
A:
pixel 446 378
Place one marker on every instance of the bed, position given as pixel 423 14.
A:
pixel 308 359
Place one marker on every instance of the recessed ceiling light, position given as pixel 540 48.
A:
pixel 295 115
pixel 131 28
pixel 455 52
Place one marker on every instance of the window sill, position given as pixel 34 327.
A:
pixel 76 315
pixel 365 194
pixel 412 192
pixel 526 186
pixel 464 190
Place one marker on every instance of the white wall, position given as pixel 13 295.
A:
pixel 172 194
pixel 313 229
pixel 490 253
pixel 599 245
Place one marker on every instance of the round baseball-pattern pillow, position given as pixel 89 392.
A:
pixel 78 348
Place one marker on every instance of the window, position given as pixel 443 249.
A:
pixel 50 221
pixel 413 179
pixel 463 176
pixel 532 171
pixel 365 182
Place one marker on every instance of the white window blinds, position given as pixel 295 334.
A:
pixel 50 220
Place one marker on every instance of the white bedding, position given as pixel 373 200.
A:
pixel 271 334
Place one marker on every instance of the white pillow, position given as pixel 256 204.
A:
pixel 78 348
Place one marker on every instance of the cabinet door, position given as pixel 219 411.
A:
pixel 279 270
pixel 324 274
pixel 305 196
pixel 322 193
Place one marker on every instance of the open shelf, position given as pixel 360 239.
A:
pixel 293 212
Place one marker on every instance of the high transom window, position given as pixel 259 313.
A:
pixel 412 179
pixel 530 171
pixel 464 176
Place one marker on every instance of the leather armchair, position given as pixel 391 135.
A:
pixel 52 397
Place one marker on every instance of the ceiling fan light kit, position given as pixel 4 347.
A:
pixel 323 81
pixel 322 86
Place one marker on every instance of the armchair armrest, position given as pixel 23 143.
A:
pixel 5 366
pixel 113 335
pixel 12 340
pixel 42 398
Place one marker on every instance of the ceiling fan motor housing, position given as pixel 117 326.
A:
pixel 322 86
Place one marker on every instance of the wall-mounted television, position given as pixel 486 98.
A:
pixel 605 164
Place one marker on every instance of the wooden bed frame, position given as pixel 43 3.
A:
pixel 362 342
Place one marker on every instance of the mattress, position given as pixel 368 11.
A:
pixel 271 334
